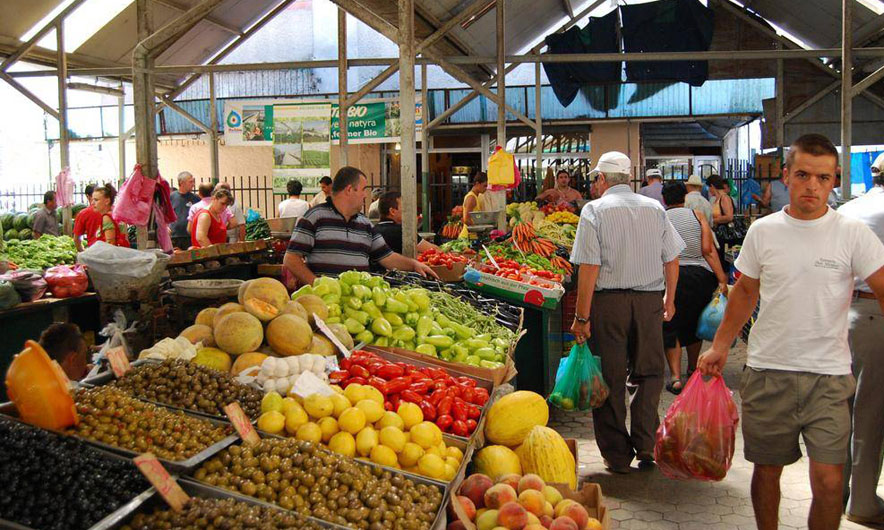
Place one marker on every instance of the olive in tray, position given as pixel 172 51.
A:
pixel 220 513
pixel 189 386
pixel 109 416
pixel 57 482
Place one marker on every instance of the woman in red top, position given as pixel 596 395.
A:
pixel 110 231
pixel 207 228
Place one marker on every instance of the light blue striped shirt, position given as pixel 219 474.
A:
pixel 629 237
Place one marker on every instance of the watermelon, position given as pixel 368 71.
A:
pixel 35 206
pixel 12 233
pixel 21 221
pixel 6 220
pixel 77 208
pixel 25 233
pixel 30 221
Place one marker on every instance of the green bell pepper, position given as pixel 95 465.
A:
pixel 331 298
pixel 473 360
pixel 333 320
pixel 378 296
pixel 372 310
pixel 424 325
pixel 350 277
pixel 443 320
pixel 366 337
pixel 353 303
pixel 396 306
pixel 353 326
pixel 474 344
pixel 426 349
pixel 334 310
pixel 486 354
pixel 346 290
pixel 306 289
pixel 440 341
pixel 484 336
pixel 394 319
pixel 359 316
pixel 463 332
pixel 404 333
pixel 411 318
pixel 321 289
pixel 420 297
pixel 361 291
pixel 382 341
pixel 381 326
pixel 490 364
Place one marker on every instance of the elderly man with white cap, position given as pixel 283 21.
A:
pixel 654 189
pixel 866 334
pixel 627 253
pixel 694 200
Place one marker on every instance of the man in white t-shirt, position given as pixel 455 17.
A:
pixel 294 206
pixel 802 262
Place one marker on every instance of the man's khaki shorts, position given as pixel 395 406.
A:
pixel 779 405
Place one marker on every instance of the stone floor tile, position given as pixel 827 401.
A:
pixel 620 514
pixel 691 508
pixel 648 515
pixel 738 520
pixel 678 517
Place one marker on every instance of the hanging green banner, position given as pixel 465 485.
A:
pixel 365 121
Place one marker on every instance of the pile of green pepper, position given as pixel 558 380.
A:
pixel 431 323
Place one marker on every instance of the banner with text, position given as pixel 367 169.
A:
pixel 301 141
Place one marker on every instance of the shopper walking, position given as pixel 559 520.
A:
pixel 866 325
pixel 627 253
pixel 654 189
pixel 801 261
pixel 182 199
pixel 699 274
pixel 694 200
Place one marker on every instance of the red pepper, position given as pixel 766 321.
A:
pixel 360 361
pixel 459 428
pixel 357 381
pixel 471 426
pixel 397 385
pixel 388 406
pixel 338 377
pixel 444 422
pixel 420 387
pixel 459 410
pixel 376 366
pixel 440 385
pixel 359 371
pixel 345 363
pixel 480 396
pixel 473 412
pixel 466 381
pixel 394 400
pixel 378 383
pixel 468 394
pixel 411 396
pixel 390 371
pixel 428 410
pixel 445 404
pixel 435 398
pixel 454 391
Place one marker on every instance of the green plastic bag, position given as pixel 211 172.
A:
pixel 579 381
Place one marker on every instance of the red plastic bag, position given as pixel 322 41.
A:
pixel 65 281
pixel 696 438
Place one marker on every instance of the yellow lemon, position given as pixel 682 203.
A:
pixel 309 432
pixel 355 393
pixel 424 434
pixel 337 389
pixel 412 469
pixel 442 449
pixel 383 455
pixel 454 452
pixel 294 419
pixel 341 403
pixel 329 428
pixel 433 450
pixel 393 438
pixel 289 404
pixel 451 461
pixel 272 401
pixel 390 419
pixel 343 444
pixel 352 420
pixel 450 472
pixel 431 466
pixel 366 440
pixel 319 406
pixel 410 454
pixel 374 394
pixel 411 414
pixel 272 422
pixel 373 411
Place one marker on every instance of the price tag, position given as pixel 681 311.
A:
pixel 166 486
pixel 118 361
pixel 242 424
pixel 330 335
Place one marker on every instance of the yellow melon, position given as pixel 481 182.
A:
pixel 238 333
pixel 199 333
pixel 247 360
pixel 289 335
pixel 294 308
pixel 313 304
pixel 322 346
pixel 497 461
pixel 265 298
pixel 512 417
pixel 224 310
pixel 206 317
pixel 241 291
pixel 545 453
pixel 213 358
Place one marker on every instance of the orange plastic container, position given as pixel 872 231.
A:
pixel 40 389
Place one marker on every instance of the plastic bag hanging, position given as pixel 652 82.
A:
pixel 114 331
pixel 64 188
pixel 501 168
pixel 711 318
pixel 579 381
pixel 695 440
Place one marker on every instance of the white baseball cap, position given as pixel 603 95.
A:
pixel 654 172
pixel 879 163
pixel 694 180
pixel 613 162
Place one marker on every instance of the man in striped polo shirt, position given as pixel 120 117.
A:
pixel 335 236
pixel 627 253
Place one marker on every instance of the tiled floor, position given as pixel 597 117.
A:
pixel 645 498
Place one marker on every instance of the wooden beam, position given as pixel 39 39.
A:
pixel 566 5
pixel 407 140
pixel 470 11
pixel 846 94
pixel 343 108
pixel 172 4
pixel 26 47
pixel 28 94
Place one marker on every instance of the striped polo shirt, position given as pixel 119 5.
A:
pixel 629 237
pixel 331 244
pixel 691 231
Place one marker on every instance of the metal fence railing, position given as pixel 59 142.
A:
pixel 20 198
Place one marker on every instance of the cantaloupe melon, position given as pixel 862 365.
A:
pixel 342 334
pixel 322 346
pixel 199 333
pixel 313 304
pixel 226 309
pixel 238 333
pixel 265 298
pixel 246 361
pixel 294 308
pixel 206 317
pixel 289 335
pixel 241 291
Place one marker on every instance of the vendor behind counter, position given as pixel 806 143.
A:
pixel 336 236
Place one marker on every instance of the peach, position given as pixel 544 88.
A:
pixel 456 525
pixel 533 501
pixel 532 526
pixel 479 512
pixel 498 495
pixel 546 520
pixel 512 479
pixel 487 520
pixel 578 514
pixel 548 509
pixel 468 507
pixel 560 507
pixel 532 519
pixel 474 487
pixel 530 482
pixel 513 516
pixel 593 524
pixel 563 523
pixel 553 496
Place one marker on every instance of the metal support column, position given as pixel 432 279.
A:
pixel 846 94
pixel 501 74
pixel 343 108
pixel 406 108
pixel 538 130
pixel 425 152
pixel 63 134
pixel 143 102
pixel 780 98
pixel 121 134
pixel 213 134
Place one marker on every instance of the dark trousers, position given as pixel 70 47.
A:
pixel 625 333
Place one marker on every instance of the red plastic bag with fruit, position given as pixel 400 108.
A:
pixel 696 438
pixel 65 281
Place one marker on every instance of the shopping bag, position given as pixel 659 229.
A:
pixel 696 438
pixel 501 169
pixel 711 317
pixel 579 381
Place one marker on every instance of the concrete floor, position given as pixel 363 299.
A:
pixel 645 498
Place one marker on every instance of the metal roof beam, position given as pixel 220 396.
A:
pixel 172 4
pixel 868 81
pixel 28 94
pixel 566 5
pixel 809 102
pixel 117 92
pixel 26 47
pixel 472 10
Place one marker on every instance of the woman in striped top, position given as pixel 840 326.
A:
pixel 699 273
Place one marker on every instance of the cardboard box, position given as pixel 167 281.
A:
pixel 455 274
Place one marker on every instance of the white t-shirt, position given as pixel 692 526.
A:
pixel 806 270
pixel 869 209
pixel 293 208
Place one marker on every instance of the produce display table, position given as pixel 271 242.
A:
pixel 28 320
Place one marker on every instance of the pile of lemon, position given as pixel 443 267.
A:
pixel 353 423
